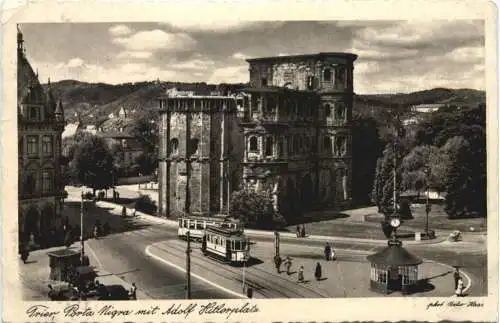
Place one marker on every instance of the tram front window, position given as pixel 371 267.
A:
pixel 237 245
pixel 191 225
pixel 243 245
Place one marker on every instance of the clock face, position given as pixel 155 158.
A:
pixel 395 223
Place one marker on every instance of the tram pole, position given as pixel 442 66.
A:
pixel 188 267
pixel 81 231
pixel 244 272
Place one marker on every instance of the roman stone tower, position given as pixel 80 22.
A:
pixel 198 157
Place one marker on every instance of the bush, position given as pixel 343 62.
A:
pixel 145 204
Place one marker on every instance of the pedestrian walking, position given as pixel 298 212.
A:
pixel 133 292
pixel 332 254
pixel 460 287
pixel 288 265
pixel 456 277
pixel 300 275
pixel 277 263
pixel 303 232
pixel 124 212
pixel 298 232
pixel 317 272
pixel 25 254
pixel 96 231
pixel 328 250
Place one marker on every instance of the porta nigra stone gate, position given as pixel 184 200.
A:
pixel 288 134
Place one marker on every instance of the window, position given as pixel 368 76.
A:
pixel 310 82
pixel 33 113
pixel 340 75
pixel 193 145
pixel 263 81
pixel 269 146
pixel 32 145
pixel 340 112
pixel 174 146
pixel 281 147
pixel 327 75
pixel 254 147
pixel 327 144
pixel 47 147
pixel 328 111
pixel 29 184
pixel 340 146
pixel 46 181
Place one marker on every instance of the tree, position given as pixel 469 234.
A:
pixel 466 180
pixel 255 209
pixel 145 132
pixel 383 188
pixel 415 164
pixel 93 164
pixel 146 163
pixel 366 149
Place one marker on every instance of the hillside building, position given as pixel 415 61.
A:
pixel 287 134
pixel 40 125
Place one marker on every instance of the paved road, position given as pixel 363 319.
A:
pixel 125 253
pixel 122 253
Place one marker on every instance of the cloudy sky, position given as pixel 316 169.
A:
pixel 394 56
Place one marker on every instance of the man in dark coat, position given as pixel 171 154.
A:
pixel 317 272
pixel 456 277
pixel 277 263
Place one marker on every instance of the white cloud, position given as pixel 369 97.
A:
pixel 120 30
pixel 230 74
pixel 467 54
pixel 196 64
pixel 156 39
pixel 211 25
pixel 75 62
pixel 134 54
pixel 240 56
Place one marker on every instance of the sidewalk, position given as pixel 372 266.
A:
pixel 34 275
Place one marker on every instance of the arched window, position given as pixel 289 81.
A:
pixel 29 185
pixel 328 110
pixel 340 146
pixel 193 145
pixel 174 146
pixel 254 145
pixel 340 111
pixel 269 146
pixel 327 75
pixel 327 144
pixel 47 181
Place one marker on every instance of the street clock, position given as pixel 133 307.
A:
pixel 395 222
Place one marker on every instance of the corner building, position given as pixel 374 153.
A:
pixel 293 135
pixel 40 125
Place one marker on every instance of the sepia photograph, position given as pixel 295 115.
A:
pixel 250 160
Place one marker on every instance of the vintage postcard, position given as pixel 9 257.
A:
pixel 250 162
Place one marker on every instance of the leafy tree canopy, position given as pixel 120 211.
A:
pixel 93 164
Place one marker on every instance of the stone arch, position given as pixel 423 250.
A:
pixel 31 222
pixel 174 146
pixel 291 198
pixel 47 218
pixel 306 192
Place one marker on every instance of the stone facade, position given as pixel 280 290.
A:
pixel 198 154
pixel 289 136
pixel 40 125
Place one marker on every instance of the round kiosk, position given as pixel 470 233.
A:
pixel 394 269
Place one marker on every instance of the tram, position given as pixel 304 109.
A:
pixel 196 225
pixel 227 245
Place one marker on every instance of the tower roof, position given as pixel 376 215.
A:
pixel 323 55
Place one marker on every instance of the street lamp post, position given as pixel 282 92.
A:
pixel 244 274
pixel 81 230
pixel 427 206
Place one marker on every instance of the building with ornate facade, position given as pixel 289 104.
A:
pixel 40 125
pixel 287 134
